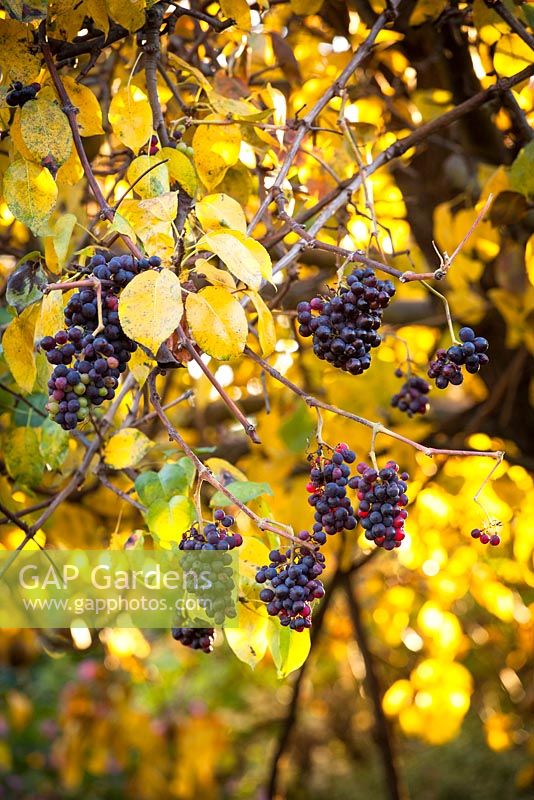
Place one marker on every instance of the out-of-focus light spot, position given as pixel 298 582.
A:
pixel 459 701
pixel 430 568
pixel 193 368
pixel 286 346
pixel 354 22
pixel 82 32
pixel 283 362
pixel 478 67
pixel 123 642
pixel 19 497
pixel 222 60
pixel 412 640
pixel 247 155
pixel 324 48
pixel 397 697
pixel 81 636
pixel 410 76
pixel 511 682
pixel 225 375
pixel 423 699
pixel 416 115
pixel 380 616
pixel 352 112
pixel 479 635
pixel 254 386
pixel 479 441
pixel 340 44
pixel 255 18
pixel 522 614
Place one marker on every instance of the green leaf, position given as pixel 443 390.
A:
pixel 296 430
pixel 167 520
pixel 23 458
pixel 289 649
pixel 148 487
pixel 522 171
pixel 25 285
pixel 528 13
pixel 54 444
pixel 176 478
pixel 24 416
pixel 243 490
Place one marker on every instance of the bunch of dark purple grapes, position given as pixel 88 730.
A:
pixel 215 535
pixel 19 94
pixel 447 365
pixel 88 365
pixel 293 584
pixel 382 496
pixel 195 638
pixel 344 326
pixel 412 396
pixel 328 494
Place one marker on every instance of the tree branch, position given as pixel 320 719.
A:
pixel 383 734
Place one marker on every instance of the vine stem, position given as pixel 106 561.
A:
pixel 70 111
pixel 248 427
pixel 205 474
pixel 446 306
pixel 376 429
pixel 314 402
pixel 485 483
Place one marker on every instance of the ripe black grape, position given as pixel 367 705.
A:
pixel 329 477
pixel 486 537
pixel 412 396
pixel 19 94
pixel 195 638
pixel 215 535
pixel 382 496
pixel 447 365
pixel 344 326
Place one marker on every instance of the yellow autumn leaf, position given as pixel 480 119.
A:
pixel 89 116
pixel 151 308
pixel 179 64
pixel 141 365
pixel 19 350
pixel 164 207
pixel 50 319
pixel 71 172
pixel 220 211
pixel 45 130
pixel 30 193
pixel 130 116
pixel 223 469
pixel 218 322
pixel 152 184
pixel 246 258
pixel 128 13
pixel 126 448
pixel 237 10
pixel 216 148
pixel 265 324
pixel 217 277
pixel 249 640
pixel 19 59
pixel 57 245
pixel 162 243
pixel 169 519
pixel 181 169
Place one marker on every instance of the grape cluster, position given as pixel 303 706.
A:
pixel 215 535
pixel 87 364
pixel 195 638
pixel 328 494
pixel 447 365
pixel 382 496
pixel 486 538
pixel 412 396
pixel 344 327
pixel 19 94
pixel 293 584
